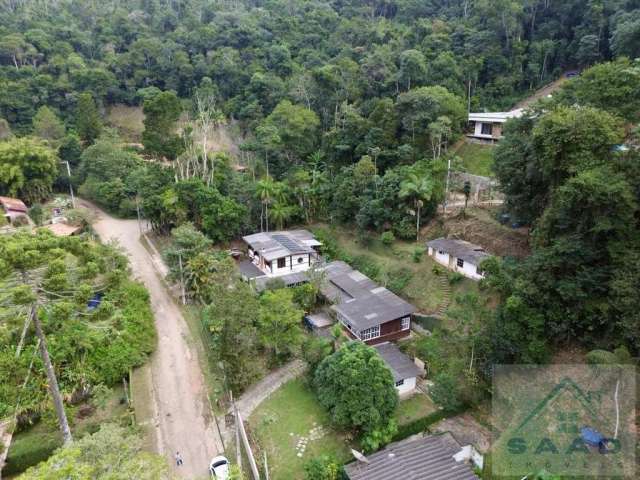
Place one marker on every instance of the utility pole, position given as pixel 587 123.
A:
pixel 184 300
pixel 446 188
pixel 51 377
pixel 138 211
pixel 73 198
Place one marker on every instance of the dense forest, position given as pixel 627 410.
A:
pixel 346 110
pixel 343 113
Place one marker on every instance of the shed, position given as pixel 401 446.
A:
pixel 405 372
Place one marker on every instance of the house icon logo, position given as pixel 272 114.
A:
pixel 567 426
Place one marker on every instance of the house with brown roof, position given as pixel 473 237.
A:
pixel 368 311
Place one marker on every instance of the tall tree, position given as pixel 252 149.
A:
pixel 418 189
pixel 161 114
pixel 279 323
pixel 356 387
pixel 47 125
pixel 27 169
pixel 88 121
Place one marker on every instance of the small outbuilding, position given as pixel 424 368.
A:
pixel 14 210
pixel 488 125
pixel 459 256
pixel 405 372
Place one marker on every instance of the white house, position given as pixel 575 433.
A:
pixel 459 256
pixel 488 125
pixel 404 371
pixel 276 254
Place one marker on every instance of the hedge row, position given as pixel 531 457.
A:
pixel 421 424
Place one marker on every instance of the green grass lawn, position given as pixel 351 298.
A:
pixel 477 159
pixel 413 408
pixel 283 419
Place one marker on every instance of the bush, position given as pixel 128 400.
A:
pixel 421 424
pixel 398 279
pixel 417 254
pixel 322 468
pixel 387 238
pixel 437 270
pixel 29 449
pixel 455 277
pixel 36 213
pixel 366 265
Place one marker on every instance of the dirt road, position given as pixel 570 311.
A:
pixel 182 414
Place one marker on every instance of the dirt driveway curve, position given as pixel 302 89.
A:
pixel 182 414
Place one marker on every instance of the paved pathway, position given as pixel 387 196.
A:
pixel 269 384
pixel 182 414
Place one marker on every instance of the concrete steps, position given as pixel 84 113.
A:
pixel 446 298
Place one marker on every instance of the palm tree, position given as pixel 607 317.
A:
pixel 419 190
pixel 265 189
pixel 280 213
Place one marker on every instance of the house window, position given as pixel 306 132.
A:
pixel 441 252
pixel 282 262
pixel 300 260
pixel 406 322
pixel 460 262
pixel 399 383
pixel 369 333
pixel 487 129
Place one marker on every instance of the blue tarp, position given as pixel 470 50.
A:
pixel 94 302
pixel 591 436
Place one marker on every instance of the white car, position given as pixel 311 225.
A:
pixel 219 468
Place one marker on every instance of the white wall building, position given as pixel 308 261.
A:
pixel 405 372
pixel 459 256
pixel 282 253
pixel 488 125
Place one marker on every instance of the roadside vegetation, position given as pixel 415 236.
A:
pixel 92 348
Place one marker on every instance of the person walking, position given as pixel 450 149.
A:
pixel 179 460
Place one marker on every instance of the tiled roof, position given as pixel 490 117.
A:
pixel 400 365
pixel 427 458
pixel 467 251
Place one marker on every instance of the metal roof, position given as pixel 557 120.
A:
pixel 469 252
pixel 361 300
pixel 274 245
pixel 427 458
pixel 494 117
pixel 13 204
pixel 401 366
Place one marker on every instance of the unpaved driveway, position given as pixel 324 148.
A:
pixel 183 419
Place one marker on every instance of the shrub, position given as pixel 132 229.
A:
pixel 437 270
pixel 455 277
pixel 366 265
pixel 29 449
pixel 387 238
pixel 421 424
pixel 398 279
pixel 322 468
pixel 417 254
pixel 36 213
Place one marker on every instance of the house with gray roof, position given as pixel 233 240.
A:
pixel 459 256
pixel 433 457
pixel 405 372
pixel 281 254
pixel 368 311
